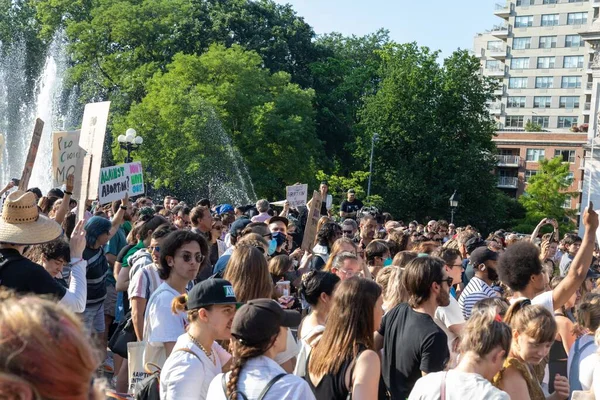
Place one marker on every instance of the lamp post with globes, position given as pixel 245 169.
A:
pixel 130 142
pixel 453 206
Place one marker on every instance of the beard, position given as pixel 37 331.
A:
pixel 492 274
pixel 443 298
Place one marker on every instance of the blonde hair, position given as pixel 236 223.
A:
pixel 337 248
pixel 44 351
pixel 383 279
pixel 483 332
pixel 531 320
pixel 395 292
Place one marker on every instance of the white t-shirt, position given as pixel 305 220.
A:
pixel 187 377
pixel 447 316
pixel 459 386
pixel 587 361
pixel 255 375
pixel 291 349
pixel 544 299
pixel 160 324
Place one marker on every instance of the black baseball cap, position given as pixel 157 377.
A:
pixel 481 255
pixel 238 225
pixel 278 218
pixel 259 320
pixel 473 244
pixel 209 292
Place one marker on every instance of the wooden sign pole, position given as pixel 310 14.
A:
pixel 33 149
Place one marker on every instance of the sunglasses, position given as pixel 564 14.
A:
pixel 448 280
pixel 155 248
pixel 187 257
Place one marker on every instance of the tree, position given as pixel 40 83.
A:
pixel 546 193
pixel 339 186
pixel 192 111
pixel 435 136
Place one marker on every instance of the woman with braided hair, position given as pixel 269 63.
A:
pixel 259 333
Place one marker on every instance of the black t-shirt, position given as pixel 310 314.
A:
pixel 412 343
pixel 350 207
pixel 25 276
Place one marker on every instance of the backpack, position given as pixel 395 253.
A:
pixel 149 388
pixel 262 394
pixel 574 382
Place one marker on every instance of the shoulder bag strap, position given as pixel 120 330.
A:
pixel 147 276
pixel 233 395
pixel 269 385
pixel 189 351
pixel 443 387
pixel 146 333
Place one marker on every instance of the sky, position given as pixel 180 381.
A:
pixel 437 24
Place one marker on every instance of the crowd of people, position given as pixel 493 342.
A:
pixel 226 304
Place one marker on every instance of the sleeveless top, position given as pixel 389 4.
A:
pixel 333 387
pixel 533 385
pixel 307 341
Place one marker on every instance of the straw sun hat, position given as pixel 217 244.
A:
pixel 22 223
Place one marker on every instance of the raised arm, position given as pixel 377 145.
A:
pixel 581 263
pixel 64 208
pixel 536 231
pixel 76 296
pixel 118 218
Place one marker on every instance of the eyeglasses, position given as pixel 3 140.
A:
pixel 448 280
pixel 187 257
pixel 348 273
pixel 455 265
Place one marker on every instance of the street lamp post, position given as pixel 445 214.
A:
pixel 453 206
pixel 130 142
pixel 375 138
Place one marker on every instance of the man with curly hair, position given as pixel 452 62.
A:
pixel 520 268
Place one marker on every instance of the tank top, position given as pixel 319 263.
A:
pixel 333 386
pixel 533 386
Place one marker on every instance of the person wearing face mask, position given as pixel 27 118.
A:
pixel 278 227
pixel 377 255
pixel 197 357
pixel 480 286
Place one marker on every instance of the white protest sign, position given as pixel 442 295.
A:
pixel 91 140
pixel 67 159
pixel 296 195
pixel 116 181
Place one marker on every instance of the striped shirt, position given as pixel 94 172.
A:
pixel 475 291
pixel 97 268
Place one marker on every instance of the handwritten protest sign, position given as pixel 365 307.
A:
pixel 296 195
pixel 67 159
pixel 91 140
pixel 314 213
pixel 120 179
pixel 31 155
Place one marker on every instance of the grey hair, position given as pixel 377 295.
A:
pixel 351 222
pixel 262 205
pixel 338 261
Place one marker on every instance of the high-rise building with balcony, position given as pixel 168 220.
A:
pixel 544 74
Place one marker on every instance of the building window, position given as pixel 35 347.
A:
pixel 567 203
pixel 573 62
pixel 571 82
pixel 567 122
pixel 569 102
pixel 522 43
pixel 519 63
pixel 566 155
pixel 535 154
pixel 545 62
pixel 494 45
pixel 542 121
pixel 573 41
pixel 516 102
pixel 524 2
pixel 550 1
pixel 514 121
pixel 549 19
pixel 542 102
pixel 493 65
pixel 547 42
pixel 544 82
pixel 578 18
pixel 529 173
pixel 517 83
pixel 524 21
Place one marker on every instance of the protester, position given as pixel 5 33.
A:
pixel 412 343
pixel 484 347
pixel 262 206
pixel 326 199
pixel 197 358
pixel 480 286
pixel 349 228
pixel 317 290
pixel 341 245
pixel 259 330
pixel 278 228
pixel 326 238
pixel 533 329
pixel 201 220
pixel 572 245
pixel 495 305
pixel 181 216
pixel 217 246
pixel 346 265
pixel 343 364
pixel 45 351
pixel 349 207
pixel 21 225
pixel 181 255
pixel 404 257
pixel 53 256
pixel 368 225
pixel 377 256
pixel 582 354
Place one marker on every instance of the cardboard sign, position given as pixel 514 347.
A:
pixel 33 149
pixel 67 159
pixel 296 195
pixel 91 140
pixel 314 214
pixel 116 181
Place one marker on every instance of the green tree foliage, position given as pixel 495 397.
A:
pixel 339 186
pixel 546 193
pixel 434 136
pixel 270 119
